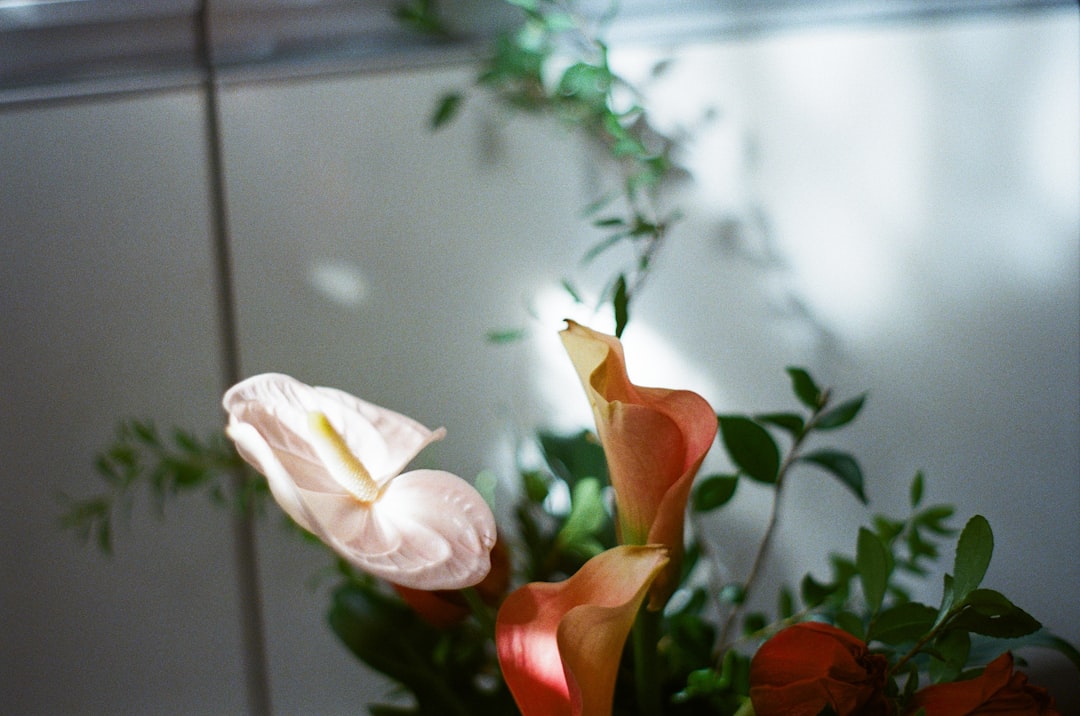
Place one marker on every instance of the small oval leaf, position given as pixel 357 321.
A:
pixel 841 465
pixel 789 422
pixel 841 415
pixel 806 390
pixel 714 491
pixel 973 552
pixel 750 447
pixel 874 563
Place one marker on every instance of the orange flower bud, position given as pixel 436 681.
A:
pixel 809 666
pixel 654 439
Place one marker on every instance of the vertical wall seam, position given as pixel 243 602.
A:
pixel 245 554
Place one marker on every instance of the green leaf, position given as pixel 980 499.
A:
pixel 903 623
pixel 145 432
pixel 754 622
pixel 874 564
pixel 587 517
pixel 851 623
pixel 620 303
pixel 806 390
pixel 785 606
pixel 933 518
pixel 751 448
pixel 814 592
pixel 713 492
pixel 588 83
pixel 841 415
pixel 732 593
pixel 973 552
pixel 571 291
pixel 842 466
pixel 446 109
pixel 949 655
pixel 789 422
pixel 985 648
pixel 917 490
pixel 509 335
pixel 573 457
pixel 988 612
pixel 536 486
pixel 948 599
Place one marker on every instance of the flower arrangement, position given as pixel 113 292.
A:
pixel 603 602
pixel 596 609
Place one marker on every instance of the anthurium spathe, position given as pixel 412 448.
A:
pixel 334 463
pixel 560 643
pixel 654 440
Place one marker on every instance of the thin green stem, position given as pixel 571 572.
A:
pixel 480 610
pixel 745 709
pixel 645 635
pixel 762 550
pixel 926 639
pixel 770 529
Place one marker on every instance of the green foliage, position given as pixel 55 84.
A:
pixel 452 669
pixel 973 553
pixel 555 40
pixel 438 666
pixel 713 492
pixel 141 459
pixel 806 390
pixel 841 465
pixel 751 448
pixel 875 565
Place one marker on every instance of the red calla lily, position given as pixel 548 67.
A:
pixel 559 643
pixel 654 440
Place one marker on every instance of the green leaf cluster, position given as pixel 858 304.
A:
pixel 141 459
pixel 554 63
pixel 753 443
pixel 445 670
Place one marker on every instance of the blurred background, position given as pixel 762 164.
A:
pixel 885 193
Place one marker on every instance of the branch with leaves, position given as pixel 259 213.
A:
pixel 555 63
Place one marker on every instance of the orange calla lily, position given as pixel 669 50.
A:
pixel 654 440
pixel 559 643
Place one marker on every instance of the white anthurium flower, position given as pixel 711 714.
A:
pixel 334 463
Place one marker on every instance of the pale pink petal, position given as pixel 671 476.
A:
pixel 277 406
pixel 429 529
pixel 426 529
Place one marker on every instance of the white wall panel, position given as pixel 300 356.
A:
pixel 106 311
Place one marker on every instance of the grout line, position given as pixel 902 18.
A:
pixel 250 602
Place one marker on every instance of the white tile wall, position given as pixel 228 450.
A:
pixel 941 162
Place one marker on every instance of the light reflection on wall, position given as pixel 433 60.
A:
pixel 339 282
pixel 910 193
pixel 652 360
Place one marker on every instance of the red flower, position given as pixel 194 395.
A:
pixel 654 440
pixel 809 666
pixel 998 690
